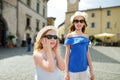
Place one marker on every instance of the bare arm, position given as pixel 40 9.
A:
pixel 90 66
pixel 39 60
pixel 67 53
pixel 48 64
pixel 60 61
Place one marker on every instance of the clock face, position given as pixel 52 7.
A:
pixel 72 1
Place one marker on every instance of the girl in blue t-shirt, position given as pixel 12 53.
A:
pixel 77 57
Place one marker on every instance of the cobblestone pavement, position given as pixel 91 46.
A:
pixel 17 63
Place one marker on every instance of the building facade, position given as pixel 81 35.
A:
pixel 21 17
pixel 72 6
pixel 61 32
pixel 104 20
pixel 51 21
pixel 100 20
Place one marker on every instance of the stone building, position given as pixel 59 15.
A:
pixel 50 21
pixel 21 17
pixel 72 6
pixel 100 20
pixel 104 20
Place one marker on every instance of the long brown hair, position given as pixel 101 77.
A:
pixel 72 27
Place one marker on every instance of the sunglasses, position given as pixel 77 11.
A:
pixel 76 21
pixel 51 36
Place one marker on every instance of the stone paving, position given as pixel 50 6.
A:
pixel 17 63
pixel 106 62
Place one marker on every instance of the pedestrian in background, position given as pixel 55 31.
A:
pixel 77 57
pixel 47 56
pixel 29 43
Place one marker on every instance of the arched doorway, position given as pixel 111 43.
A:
pixel 3 29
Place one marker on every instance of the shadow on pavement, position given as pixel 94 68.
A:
pixel 21 51
pixel 11 52
pixel 96 56
pixel 100 57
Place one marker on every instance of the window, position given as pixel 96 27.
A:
pixel 92 25
pixel 108 25
pixel 44 1
pixel 0 4
pixel 37 7
pixel 29 3
pixel 93 15
pixel 108 12
pixel 43 11
pixel 0 7
pixel 43 25
pixel 37 25
pixel 28 21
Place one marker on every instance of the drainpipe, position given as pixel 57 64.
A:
pixel 17 14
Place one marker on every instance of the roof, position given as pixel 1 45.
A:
pixel 61 24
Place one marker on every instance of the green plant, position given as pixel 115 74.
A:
pixel 11 37
pixel 118 41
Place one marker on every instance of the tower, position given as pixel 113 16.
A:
pixel 72 6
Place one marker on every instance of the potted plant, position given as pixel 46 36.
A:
pixel 10 41
pixel 118 42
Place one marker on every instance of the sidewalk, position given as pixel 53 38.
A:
pixel 17 63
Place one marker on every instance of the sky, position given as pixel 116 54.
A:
pixel 58 8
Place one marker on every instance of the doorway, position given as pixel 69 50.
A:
pixel 3 29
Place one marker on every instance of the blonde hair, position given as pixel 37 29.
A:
pixel 38 45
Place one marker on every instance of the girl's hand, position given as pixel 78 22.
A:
pixel 67 76
pixel 91 76
pixel 56 48
pixel 46 45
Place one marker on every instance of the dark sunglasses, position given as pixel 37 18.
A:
pixel 76 21
pixel 51 36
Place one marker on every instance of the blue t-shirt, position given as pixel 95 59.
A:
pixel 78 61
